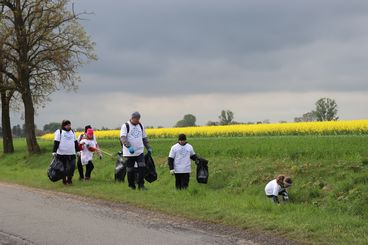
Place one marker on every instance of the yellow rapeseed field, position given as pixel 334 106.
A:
pixel 357 127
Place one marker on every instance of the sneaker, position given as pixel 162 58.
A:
pixel 132 187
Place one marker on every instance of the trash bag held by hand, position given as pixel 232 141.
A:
pixel 55 171
pixel 120 168
pixel 151 174
pixel 202 171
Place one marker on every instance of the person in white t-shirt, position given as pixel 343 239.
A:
pixel 134 139
pixel 79 161
pixel 65 149
pixel 278 187
pixel 88 146
pixel 179 162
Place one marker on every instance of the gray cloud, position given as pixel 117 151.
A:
pixel 263 59
pixel 227 46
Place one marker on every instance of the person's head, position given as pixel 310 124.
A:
pixel 135 118
pixel 89 133
pixel 66 125
pixel 287 182
pixel 280 180
pixel 86 128
pixel 182 139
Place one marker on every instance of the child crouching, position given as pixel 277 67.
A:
pixel 278 187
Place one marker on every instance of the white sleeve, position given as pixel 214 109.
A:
pixel 123 130
pixel 276 190
pixel 172 152
pixel 57 135
pixel 192 151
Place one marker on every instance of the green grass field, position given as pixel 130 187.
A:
pixel 329 198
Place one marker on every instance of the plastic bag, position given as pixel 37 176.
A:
pixel 151 174
pixel 120 168
pixel 55 171
pixel 202 171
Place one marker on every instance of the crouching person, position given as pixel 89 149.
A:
pixel 65 149
pixel 134 139
pixel 278 187
pixel 179 162
pixel 88 146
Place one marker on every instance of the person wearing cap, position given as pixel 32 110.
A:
pixel 65 149
pixel 88 146
pixel 79 161
pixel 278 187
pixel 134 139
pixel 179 162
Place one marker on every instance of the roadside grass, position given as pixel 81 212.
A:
pixel 329 197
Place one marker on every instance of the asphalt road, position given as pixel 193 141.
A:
pixel 33 216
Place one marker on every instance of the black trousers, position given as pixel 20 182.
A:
pixel 80 168
pixel 135 175
pixel 69 167
pixel 182 180
pixel 89 168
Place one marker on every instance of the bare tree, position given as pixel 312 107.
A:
pixel 7 89
pixel 45 50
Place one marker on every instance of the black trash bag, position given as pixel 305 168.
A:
pixel 202 171
pixel 151 174
pixel 55 171
pixel 120 168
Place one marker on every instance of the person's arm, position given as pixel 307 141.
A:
pixel 76 145
pixel 56 141
pixel 170 162
pixel 124 136
pixel 146 143
pixel 56 146
pixel 171 159
pixel 124 141
pixel 145 140
pixel 193 155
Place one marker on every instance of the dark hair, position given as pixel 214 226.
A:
pixel 86 128
pixel 182 137
pixel 288 180
pixel 64 123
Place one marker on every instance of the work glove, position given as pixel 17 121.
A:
pixel 54 154
pixel 78 153
pixel 172 171
pixel 131 149
pixel 150 150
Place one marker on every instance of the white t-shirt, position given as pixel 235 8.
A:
pixel 134 137
pixel 181 155
pixel 66 139
pixel 87 155
pixel 272 188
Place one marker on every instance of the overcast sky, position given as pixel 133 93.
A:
pixel 262 59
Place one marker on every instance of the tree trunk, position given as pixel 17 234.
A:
pixel 8 146
pixel 30 133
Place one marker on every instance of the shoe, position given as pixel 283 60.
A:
pixel 132 187
pixel 87 178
